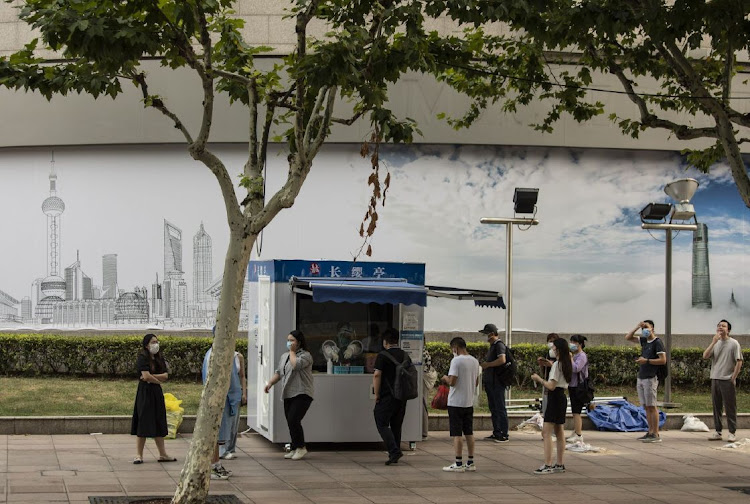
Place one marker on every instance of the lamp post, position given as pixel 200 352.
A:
pixel 681 190
pixel 525 203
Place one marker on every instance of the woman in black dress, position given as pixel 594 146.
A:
pixel 149 412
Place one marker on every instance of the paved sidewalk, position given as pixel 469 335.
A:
pixel 684 469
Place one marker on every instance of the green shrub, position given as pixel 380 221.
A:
pixel 610 366
pixel 114 356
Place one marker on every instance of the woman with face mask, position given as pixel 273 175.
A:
pixel 149 412
pixel 295 374
pixel 546 363
pixel 554 418
pixel 580 373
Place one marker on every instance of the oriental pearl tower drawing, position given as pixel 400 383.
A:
pixel 53 286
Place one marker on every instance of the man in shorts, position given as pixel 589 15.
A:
pixel 652 355
pixel 463 378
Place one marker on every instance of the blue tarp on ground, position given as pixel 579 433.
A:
pixel 622 416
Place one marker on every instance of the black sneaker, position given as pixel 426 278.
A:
pixel 558 468
pixel 491 437
pixel 502 439
pixel 645 438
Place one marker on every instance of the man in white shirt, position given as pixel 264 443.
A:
pixel 463 378
pixel 726 361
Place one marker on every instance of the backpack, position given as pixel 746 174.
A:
pixel 662 372
pixel 507 372
pixel 406 384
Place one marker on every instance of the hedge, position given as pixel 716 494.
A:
pixel 114 356
pixel 609 365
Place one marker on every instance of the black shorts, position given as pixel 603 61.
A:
pixel 557 404
pixel 461 421
pixel 576 404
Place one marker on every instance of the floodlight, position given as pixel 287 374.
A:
pixel 525 200
pixel 656 211
pixel 682 191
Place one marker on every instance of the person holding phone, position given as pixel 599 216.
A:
pixel 295 374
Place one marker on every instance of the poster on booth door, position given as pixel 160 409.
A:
pixel 412 342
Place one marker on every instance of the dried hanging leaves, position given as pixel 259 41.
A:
pixel 369 222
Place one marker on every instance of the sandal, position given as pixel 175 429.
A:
pixel 138 460
pixel 167 459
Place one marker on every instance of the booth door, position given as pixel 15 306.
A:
pixel 265 366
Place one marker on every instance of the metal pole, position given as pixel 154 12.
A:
pixel 668 319
pixel 508 284
pixel 508 291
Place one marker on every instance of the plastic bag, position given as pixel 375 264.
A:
pixel 478 390
pixel 534 423
pixel 174 414
pixel 693 424
pixel 440 401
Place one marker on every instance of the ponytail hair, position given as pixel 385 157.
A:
pixel 563 358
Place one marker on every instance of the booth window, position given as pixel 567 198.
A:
pixel 344 323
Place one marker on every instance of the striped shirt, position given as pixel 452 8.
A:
pixel 298 380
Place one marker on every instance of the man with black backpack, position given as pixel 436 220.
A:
pixel 652 362
pixel 495 379
pixel 391 397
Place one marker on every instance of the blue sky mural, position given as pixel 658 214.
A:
pixel 587 267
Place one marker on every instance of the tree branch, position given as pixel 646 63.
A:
pixel 648 118
pixel 314 118
pixel 159 105
pixel 207 80
pixel 325 123
pixel 232 207
pixel 231 76
pixel 350 121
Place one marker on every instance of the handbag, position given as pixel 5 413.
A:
pixel 585 390
pixel 440 401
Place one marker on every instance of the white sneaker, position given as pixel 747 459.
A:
pixel 731 438
pixel 229 456
pixel 219 473
pixel 470 467
pixel 716 436
pixel 454 468
pixel 574 438
pixel 290 454
pixel 299 453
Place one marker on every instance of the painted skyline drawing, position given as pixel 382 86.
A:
pixel 116 237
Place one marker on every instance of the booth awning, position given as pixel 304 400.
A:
pixel 390 291
pixel 362 291
pixel 483 298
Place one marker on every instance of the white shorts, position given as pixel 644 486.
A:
pixel 647 390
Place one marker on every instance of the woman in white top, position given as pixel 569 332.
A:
pixel 554 418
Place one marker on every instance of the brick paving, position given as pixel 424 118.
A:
pixel 685 468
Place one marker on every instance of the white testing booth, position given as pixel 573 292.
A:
pixel 342 307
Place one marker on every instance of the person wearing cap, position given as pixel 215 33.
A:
pixel 495 389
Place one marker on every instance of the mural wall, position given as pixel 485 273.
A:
pixel 133 237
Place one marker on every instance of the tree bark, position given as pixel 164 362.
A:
pixel 196 472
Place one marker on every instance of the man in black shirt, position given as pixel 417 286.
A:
pixel 492 364
pixel 389 412
pixel 652 356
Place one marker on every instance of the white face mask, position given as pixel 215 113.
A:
pixel 455 354
pixel 153 348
